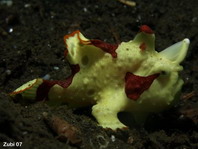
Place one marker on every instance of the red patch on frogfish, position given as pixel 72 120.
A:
pixel 43 89
pixel 136 85
pixel 106 47
pixel 146 29
pixel 65 52
pixel 142 46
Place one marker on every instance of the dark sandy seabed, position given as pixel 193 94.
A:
pixel 31 46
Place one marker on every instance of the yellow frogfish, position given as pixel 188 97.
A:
pixel 130 76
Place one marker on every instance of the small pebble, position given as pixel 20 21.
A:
pixel 56 68
pixel 194 19
pixel 112 138
pixel 25 132
pixel 181 116
pixel 85 9
pixel 10 30
pixel 27 5
pixel 49 45
pixel 46 77
pixel 8 72
pixel 130 140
